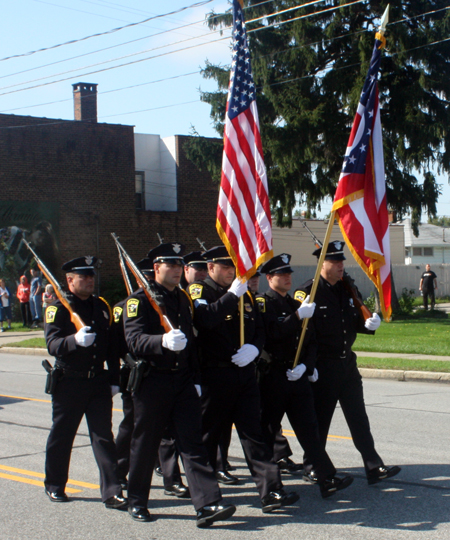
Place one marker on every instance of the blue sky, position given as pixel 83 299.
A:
pixel 169 49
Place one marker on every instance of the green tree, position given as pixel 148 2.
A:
pixel 309 74
pixel 440 221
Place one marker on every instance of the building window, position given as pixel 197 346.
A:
pixel 139 197
pixel 422 251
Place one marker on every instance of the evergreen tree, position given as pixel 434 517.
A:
pixel 309 74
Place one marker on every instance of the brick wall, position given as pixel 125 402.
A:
pixel 88 168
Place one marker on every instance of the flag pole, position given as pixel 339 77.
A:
pixel 312 294
pixel 241 316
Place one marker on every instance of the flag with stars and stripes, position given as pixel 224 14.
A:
pixel 360 199
pixel 243 212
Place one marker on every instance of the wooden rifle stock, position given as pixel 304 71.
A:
pixel 351 289
pixel 74 317
pixel 143 284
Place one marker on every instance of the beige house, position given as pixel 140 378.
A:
pixel 298 242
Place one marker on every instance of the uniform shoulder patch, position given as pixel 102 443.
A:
pixel 132 307
pixel 195 290
pixel 261 301
pixel 117 312
pixel 299 295
pixel 50 314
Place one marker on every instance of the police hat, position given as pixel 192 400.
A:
pixel 81 265
pixel 171 252
pixel 335 251
pixel 195 259
pixel 218 254
pixel 146 267
pixel 278 265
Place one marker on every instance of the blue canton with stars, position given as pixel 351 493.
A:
pixel 242 88
pixel 355 162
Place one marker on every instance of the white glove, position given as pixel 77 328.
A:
pixel 306 310
pixel 373 323
pixel 114 389
pixel 83 339
pixel 174 340
pixel 238 288
pixel 296 373
pixel 246 354
pixel 199 389
pixel 314 377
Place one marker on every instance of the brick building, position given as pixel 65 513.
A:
pixel 82 174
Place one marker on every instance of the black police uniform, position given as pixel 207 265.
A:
pixel 230 393
pixel 336 322
pixel 167 396
pixel 278 394
pixel 84 389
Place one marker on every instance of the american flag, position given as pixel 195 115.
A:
pixel 360 199
pixel 243 212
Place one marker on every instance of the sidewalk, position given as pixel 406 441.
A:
pixel 398 375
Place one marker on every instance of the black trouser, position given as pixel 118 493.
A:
pixel 169 398
pixel 428 293
pixel 342 382
pixel 231 395
pixel 168 459
pixel 72 399
pixel 281 448
pixel 123 439
pixel 295 398
pixel 26 313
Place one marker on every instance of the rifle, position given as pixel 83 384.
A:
pixel 74 317
pixel 143 283
pixel 202 244
pixel 348 282
pixel 126 277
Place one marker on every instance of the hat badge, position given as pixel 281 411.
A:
pixel 176 248
pixel 285 258
pixel 89 260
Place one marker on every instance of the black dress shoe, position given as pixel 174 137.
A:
pixel 381 473
pixel 139 514
pixel 277 499
pixel 57 497
pixel 224 477
pixel 179 490
pixel 336 483
pixel 287 466
pixel 207 515
pixel 117 502
pixel 310 476
pixel 158 471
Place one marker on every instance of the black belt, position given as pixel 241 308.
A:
pixel 81 374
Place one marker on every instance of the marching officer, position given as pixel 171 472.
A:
pixel 284 388
pixel 167 394
pixel 84 387
pixel 194 268
pixel 230 391
pixel 336 322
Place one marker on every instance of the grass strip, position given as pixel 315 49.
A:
pixel 32 343
pixel 404 364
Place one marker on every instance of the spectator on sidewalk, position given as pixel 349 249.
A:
pixel 5 309
pixel 428 284
pixel 48 296
pixel 23 295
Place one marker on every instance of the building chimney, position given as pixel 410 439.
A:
pixel 85 102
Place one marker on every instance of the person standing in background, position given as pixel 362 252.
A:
pixel 428 283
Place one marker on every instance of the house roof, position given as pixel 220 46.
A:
pixel 429 235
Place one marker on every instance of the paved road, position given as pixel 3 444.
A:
pixel 410 423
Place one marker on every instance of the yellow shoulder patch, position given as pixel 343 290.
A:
pixel 117 312
pixel 195 291
pixel 299 295
pixel 132 307
pixel 50 314
pixel 261 301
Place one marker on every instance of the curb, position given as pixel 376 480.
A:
pixel 24 350
pixel 405 376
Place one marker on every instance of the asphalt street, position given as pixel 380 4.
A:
pixel 410 424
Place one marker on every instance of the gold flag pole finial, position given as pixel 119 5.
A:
pixel 382 27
